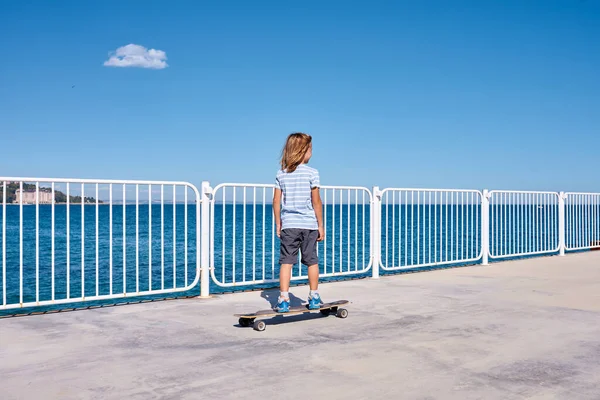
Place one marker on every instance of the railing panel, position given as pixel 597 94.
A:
pixel 428 227
pixel 245 247
pixel 582 221
pixel 68 240
pixel 523 223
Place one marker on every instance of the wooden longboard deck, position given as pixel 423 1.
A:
pixel 293 310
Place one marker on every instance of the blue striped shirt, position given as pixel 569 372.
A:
pixel 296 206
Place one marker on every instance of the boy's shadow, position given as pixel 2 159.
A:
pixel 272 296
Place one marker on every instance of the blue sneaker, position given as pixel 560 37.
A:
pixel 314 302
pixel 283 305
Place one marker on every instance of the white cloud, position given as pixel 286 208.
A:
pixel 134 55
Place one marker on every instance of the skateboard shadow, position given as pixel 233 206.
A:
pixel 272 296
pixel 282 319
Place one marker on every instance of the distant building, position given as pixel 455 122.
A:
pixel 30 197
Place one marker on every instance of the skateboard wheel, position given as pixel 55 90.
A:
pixel 260 326
pixel 325 312
pixel 244 322
pixel 342 313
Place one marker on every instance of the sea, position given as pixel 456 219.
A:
pixel 128 249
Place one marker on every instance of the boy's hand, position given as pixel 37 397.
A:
pixel 321 234
pixel 278 231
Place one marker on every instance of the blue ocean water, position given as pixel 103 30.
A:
pixel 244 242
pixel 255 253
pixel 85 262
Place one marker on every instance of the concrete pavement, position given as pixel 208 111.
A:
pixel 526 329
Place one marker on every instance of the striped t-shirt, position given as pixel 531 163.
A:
pixel 296 206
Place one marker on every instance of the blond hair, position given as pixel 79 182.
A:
pixel 294 151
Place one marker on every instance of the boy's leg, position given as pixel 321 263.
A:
pixel 310 258
pixel 285 275
pixel 283 301
pixel 290 244
pixel 313 277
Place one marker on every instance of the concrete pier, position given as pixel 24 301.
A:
pixel 526 329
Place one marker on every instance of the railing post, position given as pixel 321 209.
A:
pixel 561 223
pixel 485 226
pixel 376 231
pixel 205 194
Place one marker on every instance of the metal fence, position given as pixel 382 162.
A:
pixel 523 223
pixel 61 243
pixel 74 240
pixel 245 246
pixel 427 227
pixel 582 214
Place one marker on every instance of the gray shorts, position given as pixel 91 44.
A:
pixel 292 240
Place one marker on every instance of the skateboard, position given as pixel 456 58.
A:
pixel 325 309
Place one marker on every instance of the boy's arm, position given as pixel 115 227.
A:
pixel 277 209
pixel 318 207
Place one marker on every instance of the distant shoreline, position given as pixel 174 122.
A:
pixel 56 204
pixel 93 204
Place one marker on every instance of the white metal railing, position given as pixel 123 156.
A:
pixel 245 247
pixel 71 240
pixel 523 223
pixel 427 227
pixel 582 215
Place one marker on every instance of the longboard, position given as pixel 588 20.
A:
pixel 325 309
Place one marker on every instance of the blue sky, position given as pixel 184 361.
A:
pixel 433 94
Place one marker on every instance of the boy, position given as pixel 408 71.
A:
pixel 298 214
